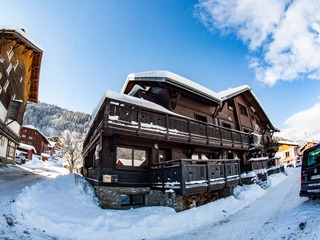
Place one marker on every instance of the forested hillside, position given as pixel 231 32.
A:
pixel 52 120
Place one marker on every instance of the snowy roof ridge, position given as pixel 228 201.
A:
pixel 175 79
pixel 231 92
pixel 22 34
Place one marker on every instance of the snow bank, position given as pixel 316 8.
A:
pixel 66 208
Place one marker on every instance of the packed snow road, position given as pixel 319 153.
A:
pixel 65 208
pixel 13 179
pixel 278 214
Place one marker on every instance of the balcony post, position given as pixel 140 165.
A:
pixel 106 114
pixel 139 121
pixel 225 172
pixel 207 134
pixel 167 126
pixel 189 130
pixel 208 175
pixel 231 134
pixel 220 136
pixel 182 178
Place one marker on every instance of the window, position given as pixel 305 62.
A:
pixel 131 157
pixel 200 118
pixel 132 199
pixel 23 135
pixel 226 125
pixel 287 154
pixel 243 110
pixel 163 155
pixel 9 68
pixel 311 158
pixel 30 138
pixel 15 65
pixel 246 130
pixel 230 105
pixel 6 85
pixel 10 53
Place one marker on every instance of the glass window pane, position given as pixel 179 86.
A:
pixel 124 156
pixel 139 158
pixel 138 199
pixel 125 199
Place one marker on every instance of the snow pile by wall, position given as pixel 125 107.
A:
pixel 66 208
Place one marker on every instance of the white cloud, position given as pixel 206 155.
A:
pixel 284 33
pixel 303 125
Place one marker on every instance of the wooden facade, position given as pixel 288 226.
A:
pixel 32 136
pixel 167 132
pixel 20 61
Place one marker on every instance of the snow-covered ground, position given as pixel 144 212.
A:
pixel 63 206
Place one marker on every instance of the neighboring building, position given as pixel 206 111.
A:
pixel 287 153
pixel 56 143
pixel 166 140
pixel 305 146
pixel 28 150
pixel 20 61
pixel 32 136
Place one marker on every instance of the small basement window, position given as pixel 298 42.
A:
pixel 132 199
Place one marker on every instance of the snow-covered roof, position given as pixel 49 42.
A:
pixel 131 100
pixel 34 128
pixel 288 143
pixel 27 147
pixel 232 92
pixel 174 79
pixel 22 35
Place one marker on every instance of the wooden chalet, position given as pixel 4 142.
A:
pixel 20 62
pixel 167 137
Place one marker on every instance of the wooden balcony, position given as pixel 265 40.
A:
pixel 129 119
pixel 187 177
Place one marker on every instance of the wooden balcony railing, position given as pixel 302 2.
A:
pixel 188 177
pixel 136 120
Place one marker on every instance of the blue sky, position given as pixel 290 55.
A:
pixel 90 46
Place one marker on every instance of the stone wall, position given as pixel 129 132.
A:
pixel 110 197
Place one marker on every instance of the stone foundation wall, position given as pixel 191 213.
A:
pixel 110 197
pixel 167 199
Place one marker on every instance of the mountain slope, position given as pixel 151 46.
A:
pixel 51 120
